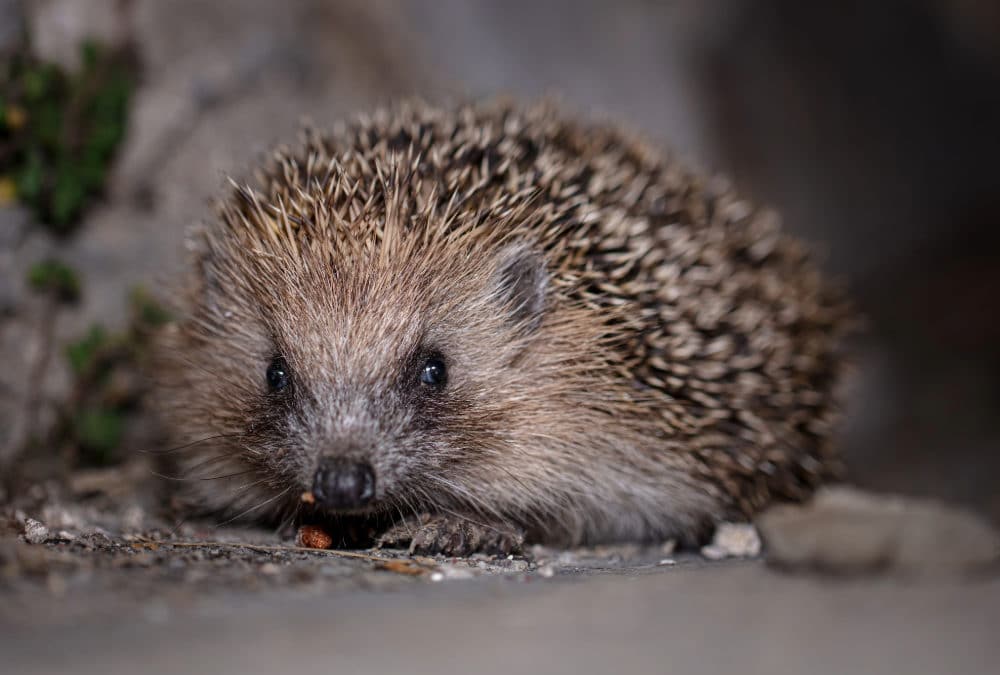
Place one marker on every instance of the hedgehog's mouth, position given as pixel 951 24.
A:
pixel 356 527
pixel 314 506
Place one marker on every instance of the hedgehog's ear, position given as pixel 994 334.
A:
pixel 520 283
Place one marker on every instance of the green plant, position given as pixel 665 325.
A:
pixel 59 130
pixel 107 383
pixel 85 354
pixel 98 433
pixel 52 276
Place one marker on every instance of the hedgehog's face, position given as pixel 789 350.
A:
pixel 372 388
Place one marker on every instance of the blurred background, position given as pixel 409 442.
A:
pixel 873 127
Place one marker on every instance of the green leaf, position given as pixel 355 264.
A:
pixel 99 432
pixel 147 311
pixel 52 276
pixel 48 123
pixel 89 54
pixel 36 80
pixel 30 177
pixel 68 196
pixel 83 353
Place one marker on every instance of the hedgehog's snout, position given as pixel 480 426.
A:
pixel 343 484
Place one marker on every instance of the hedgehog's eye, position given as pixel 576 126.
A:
pixel 278 375
pixel 433 374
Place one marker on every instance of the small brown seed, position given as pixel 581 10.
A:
pixel 311 536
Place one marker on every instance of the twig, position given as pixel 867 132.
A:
pixel 264 548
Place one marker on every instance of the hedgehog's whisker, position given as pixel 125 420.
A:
pixel 247 486
pixel 239 385
pixel 476 508
pixel 465 494
pixel 289 519
pixel 402 519
pixel 411 506
pixel 178 526
pixel 207 462
pixel 254 508
pixel 199 478
pixel 189 445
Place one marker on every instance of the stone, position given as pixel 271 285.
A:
pixel 844 530
pixel 35 532
pixel 733 540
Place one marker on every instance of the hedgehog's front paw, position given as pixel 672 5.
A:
pixel 453 536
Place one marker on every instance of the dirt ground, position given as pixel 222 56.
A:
pixel 101 604
pixel 100 573
pixel 121 591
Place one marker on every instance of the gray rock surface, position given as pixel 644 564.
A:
pixel 848 531
pixel 94 582
pixel 719 619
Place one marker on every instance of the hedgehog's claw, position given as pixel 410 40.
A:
pixel 452 536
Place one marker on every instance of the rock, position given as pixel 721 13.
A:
pixel 59 27
pixel 29 327
pixel 11 24
pixel 452 571
pixel 733 540
pixel 847 531
pixel 35 531
pixel 14 221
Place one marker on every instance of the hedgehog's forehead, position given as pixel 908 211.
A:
pixel 373 309
pixel 354 341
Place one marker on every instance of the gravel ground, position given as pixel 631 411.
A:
pixel 91 556
pixel 339 616
pixel 101 582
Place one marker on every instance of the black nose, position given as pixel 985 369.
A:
pixel 340 484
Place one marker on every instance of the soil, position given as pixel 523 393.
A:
pixel 102 580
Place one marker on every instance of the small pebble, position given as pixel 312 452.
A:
pixel 666 562
pixel 546 571
pixel 733 540
pixel 518 565
pixel 437 576
pixel 35 531
pixel 454 572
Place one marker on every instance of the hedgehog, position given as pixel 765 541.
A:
pixel 466 328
